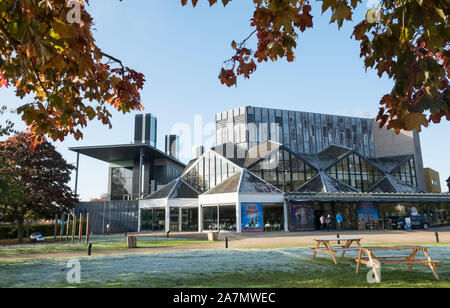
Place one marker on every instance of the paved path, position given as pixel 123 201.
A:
pixel 262 240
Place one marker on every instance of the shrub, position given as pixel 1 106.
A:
pixel 10 231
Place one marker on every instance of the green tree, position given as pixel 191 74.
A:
pixel 38 181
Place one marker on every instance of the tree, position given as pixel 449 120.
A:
pixel 39 178
pixel 103 197
pixel 48 53
pixel 408 40
pixel 7 190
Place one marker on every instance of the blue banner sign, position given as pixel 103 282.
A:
pixel 252 217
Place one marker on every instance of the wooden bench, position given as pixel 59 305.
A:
pixel 332 250
pixel 366 256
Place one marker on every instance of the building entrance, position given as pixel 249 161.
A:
pixel 153 220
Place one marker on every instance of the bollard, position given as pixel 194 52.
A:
pixel 339 242
pixel 168 234
pixel 89 249
pixel 226 242
pixel 88 227
pixel 56 228
pixel 437 236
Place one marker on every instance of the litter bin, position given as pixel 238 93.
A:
pixel 213 236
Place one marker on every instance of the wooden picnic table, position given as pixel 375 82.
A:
pixel 332 250
pixel 366 256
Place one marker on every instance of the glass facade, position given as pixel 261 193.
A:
pixel 209 171
pixel 210 218
pixel 121 183
pixel 301 132
pixel 273 215
pixel 288 172
pixel 189 219
pixel 219 218
pixel 174 219
pixel 153 220
pixel 406 172
pixel 356 172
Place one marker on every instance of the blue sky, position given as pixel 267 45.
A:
pixel 181 50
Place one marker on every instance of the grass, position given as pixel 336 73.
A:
pixel 363 244
pixel 340 276
pixel 235 268
pixel 98 244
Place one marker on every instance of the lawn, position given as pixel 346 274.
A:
pixel 250 268
pixel 98 243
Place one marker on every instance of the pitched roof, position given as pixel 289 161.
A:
pixel 228 186
pixel 250 183
pixel 327 157
pixel 322 182
pixel 175 189
pixel 390 163
pixel 244 182
pixel 390 184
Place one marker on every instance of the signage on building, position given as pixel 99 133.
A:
pixel 368 215
pixel 252 217
pixel 302 216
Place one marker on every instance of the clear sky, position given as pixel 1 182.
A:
pixel 181 50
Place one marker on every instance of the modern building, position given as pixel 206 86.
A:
pixel 432 180
pixel 311 133
pixel 136 169
pixel 276 170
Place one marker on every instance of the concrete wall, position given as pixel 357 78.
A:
pixel 389 143
pixel 430 177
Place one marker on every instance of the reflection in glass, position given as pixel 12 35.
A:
pixel 121 183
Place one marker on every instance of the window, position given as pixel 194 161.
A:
pixel 121 183
pixel 355 171
pixel 284 170
pixel 208 172
pixel 406 172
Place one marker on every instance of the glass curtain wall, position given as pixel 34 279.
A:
pixel 406 172
pixel 189 219
pixel 174 219
pixel 356 172
pixel 121 183
pixel 217 218
pixel 273 215
pixel 288 175
pixel 209 171
pixel 153 220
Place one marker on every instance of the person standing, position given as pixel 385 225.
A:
pixel 339 220
pixel 328 222
pixel 322 222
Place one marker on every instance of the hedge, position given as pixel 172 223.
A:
pixel 10 232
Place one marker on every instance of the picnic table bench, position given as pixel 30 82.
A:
pixel 332 250
pixel 366 256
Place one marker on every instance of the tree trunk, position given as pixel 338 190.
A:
pixel 20 229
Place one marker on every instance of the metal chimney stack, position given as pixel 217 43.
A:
pixel 145 129
pixel 173 146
